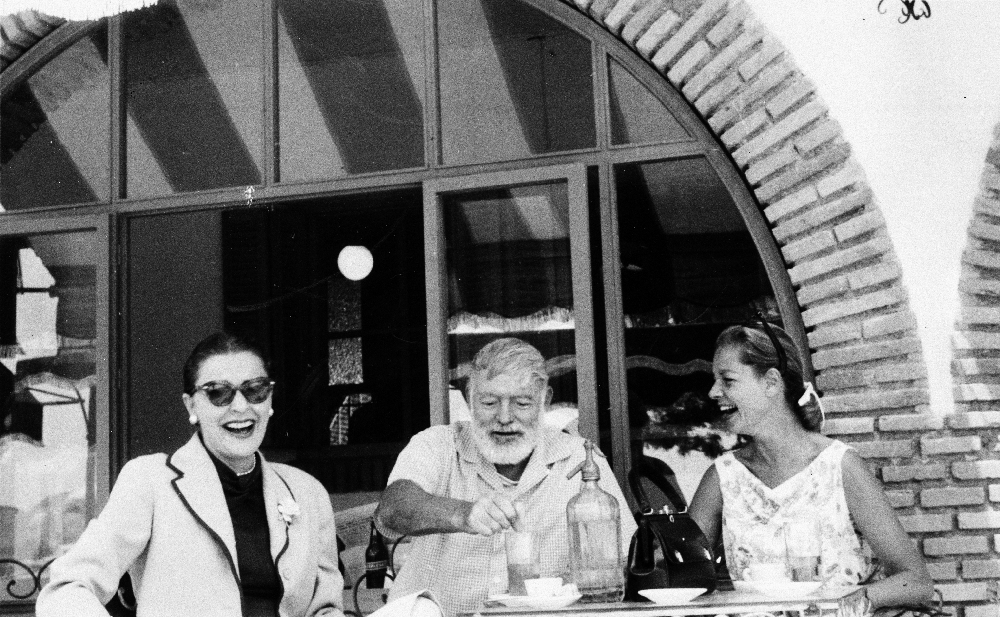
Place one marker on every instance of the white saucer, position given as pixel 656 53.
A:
pixel 672 596
pixel 778 589
pixel 535 602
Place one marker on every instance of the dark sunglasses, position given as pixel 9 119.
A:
pixel 779 350
pixel 222 393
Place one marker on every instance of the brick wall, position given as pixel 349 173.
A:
pixel 976 375
pixel 941 473
pixel 947 494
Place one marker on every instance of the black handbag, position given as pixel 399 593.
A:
pixel 668 549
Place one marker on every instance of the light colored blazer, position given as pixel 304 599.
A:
pixel 167 523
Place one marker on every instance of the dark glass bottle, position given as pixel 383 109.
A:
pixel 376 560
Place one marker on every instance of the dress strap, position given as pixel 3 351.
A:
pixel 835 452
pixel 727 466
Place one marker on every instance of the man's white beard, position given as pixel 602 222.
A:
pixel 505 454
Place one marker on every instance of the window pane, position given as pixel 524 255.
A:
pixel 49 156
pixel 344 365
pixel 47 401
pixel 194 96
pixel 351 87
pixel 349 357
pixel 508 265
pixel 689 269
pixel 636 115
pixel 514 82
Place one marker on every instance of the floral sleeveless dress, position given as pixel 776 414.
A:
pixel 753 516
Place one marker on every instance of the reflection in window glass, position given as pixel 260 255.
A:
pixel 514 82
pixel 689 269
pixel 345 361
pixel 193 95
pixel 340 427
pixel 346 399
pixel 636 115
pixel 350 87
pixel 47 385
pixel 344 297
pixel 508 265
pixel 48 156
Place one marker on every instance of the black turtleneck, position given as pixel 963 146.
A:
pixel 258 574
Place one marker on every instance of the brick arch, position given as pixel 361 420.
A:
pixel 974 435
pixel 765 112
pixel 976 340
pixel 862 334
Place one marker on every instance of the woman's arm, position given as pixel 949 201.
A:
pixel 706 506
pixel 907 580
pixel 86 577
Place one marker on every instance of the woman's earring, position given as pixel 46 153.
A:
pixel 193 419
pixel 270 412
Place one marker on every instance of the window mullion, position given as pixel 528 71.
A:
pixel 432 130
pixel 437 313
pixel 621 448
pixel 272 171
pixel 583 304
pixel 116 67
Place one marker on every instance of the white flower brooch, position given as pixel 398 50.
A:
pixel 289 510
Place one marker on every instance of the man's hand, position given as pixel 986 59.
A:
pixel 405 508
pixel 491 514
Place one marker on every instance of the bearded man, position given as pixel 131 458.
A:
pixel 456 488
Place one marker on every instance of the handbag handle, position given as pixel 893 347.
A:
pixel 645 469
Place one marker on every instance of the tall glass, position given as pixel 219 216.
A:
pixel 803 548
pixel 522 560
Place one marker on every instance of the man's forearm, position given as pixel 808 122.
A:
pixel 405 508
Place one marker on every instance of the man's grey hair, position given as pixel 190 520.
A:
pixel 509 355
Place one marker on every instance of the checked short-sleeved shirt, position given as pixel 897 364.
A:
pixel 463 569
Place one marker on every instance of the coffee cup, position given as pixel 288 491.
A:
pixel 766 572
pixel 543 587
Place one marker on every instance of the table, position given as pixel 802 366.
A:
pixel 720 602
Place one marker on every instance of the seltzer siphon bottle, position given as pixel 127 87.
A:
pixel 593 518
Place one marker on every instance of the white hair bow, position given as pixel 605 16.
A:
pixel 811 393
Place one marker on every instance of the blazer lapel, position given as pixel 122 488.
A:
pixel 284 547
pixel 197 484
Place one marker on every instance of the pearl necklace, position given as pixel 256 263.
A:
pixel 249 471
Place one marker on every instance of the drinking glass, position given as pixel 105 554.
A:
pixel 522 560
pixel 803 547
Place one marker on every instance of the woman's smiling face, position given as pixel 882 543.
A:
pixel 739 391
pixel 233 432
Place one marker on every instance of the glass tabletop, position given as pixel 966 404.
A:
pixel 725 602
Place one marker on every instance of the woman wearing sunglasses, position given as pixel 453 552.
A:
pixel 212 529
pixel 793 502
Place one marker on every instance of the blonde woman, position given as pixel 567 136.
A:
pixel 789 473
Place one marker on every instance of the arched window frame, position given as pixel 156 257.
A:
pixel 604 156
